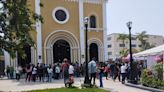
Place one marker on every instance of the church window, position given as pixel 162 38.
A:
pixel 60 15
pixel 92 21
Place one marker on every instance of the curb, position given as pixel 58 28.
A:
pixel 144 88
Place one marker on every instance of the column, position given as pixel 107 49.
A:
pixel 73 56
pixel 7 58
pixel 52 56
pixel 32 55
pixel 39 32
pixel 105 31
pixel 35 57
pixel 49 55
pixel 77 55
pixel 81 28
pixel 45 55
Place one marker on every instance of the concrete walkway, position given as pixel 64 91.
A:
pixel 15 86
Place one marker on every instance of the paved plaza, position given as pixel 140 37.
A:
pixel 16 86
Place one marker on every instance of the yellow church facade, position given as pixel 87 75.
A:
pixel 62 35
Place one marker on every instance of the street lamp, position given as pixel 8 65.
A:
pixel 132 77
pixel 86 80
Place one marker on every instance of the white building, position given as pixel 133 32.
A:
pixel 115 45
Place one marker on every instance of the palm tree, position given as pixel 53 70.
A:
pixel 142 37
pixel 123 38
pixel 124 52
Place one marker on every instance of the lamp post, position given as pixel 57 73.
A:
pixel 86 80
pixel 132 80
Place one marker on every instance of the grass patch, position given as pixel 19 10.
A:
pixel 70 90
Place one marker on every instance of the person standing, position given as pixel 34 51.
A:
pixel 34 72
pixel 40 73
pixel 116 72
pixel 18 71
pixel 71 70
pixel 11 72
pixel 112 69
pixel 106 71
pixel 57 71
pixel 8 71
pixel 50 73
pixel 92 70
pixel 101 74
pixel 65 67
pixel 123 72
pixel 81 70
pixel 29 72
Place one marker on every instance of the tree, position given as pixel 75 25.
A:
pixel 124 52
pixel 149 46
pixel 122 37
pixel 16 22
pixel 142 37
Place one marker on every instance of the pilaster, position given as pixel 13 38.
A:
pixel 81 29
pixel 39 32
pixel 105 31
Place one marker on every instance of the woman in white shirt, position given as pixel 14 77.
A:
pixel 123 72
pixel 34 72
pixel 57 71
pixel 71 70
pixel 50 71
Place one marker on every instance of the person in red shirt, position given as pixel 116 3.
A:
pixel 65 67
pixel 106 71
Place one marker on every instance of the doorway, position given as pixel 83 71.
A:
pixel 93 51
pixel 61 50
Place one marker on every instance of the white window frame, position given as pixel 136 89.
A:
pixel 60 8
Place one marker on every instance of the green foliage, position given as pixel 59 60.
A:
pixel 154 80
pixel 122 37
pixel 149 80
pixel 1 53
pixel 162 85
pixel 71 90
pixel 159 69
pixel 124 52
pixel 142 37
pixel 16 22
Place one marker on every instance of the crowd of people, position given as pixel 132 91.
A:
pixel 67 71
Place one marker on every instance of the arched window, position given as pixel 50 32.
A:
pixel 92 21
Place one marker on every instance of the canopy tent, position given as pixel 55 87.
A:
pixel 150 55
pixel 152 51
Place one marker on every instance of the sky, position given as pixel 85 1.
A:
pixel 145 15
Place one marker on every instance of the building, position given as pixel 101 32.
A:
pixel 115 45
pixel 62 35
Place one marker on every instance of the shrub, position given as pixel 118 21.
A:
pixel 159 70
pixel 149 80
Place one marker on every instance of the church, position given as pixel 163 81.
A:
pixel 63 34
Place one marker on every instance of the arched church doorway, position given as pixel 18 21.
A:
pixel 93 51
pixel 61 50
pixel 27 60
